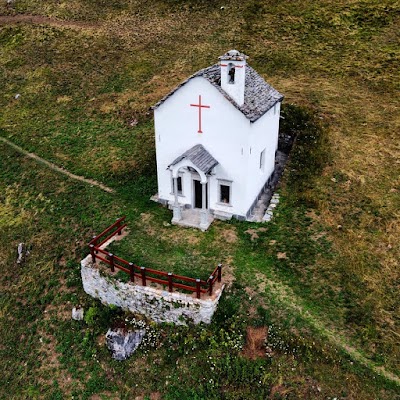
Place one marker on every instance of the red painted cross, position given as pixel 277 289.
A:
pixel 200 107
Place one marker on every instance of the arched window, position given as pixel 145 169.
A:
pixel 231 73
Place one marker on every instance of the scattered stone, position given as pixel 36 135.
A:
pixel 266 218
pixel 23 252
pixel 281 256
pixel 272 242
pixel 340 227
pixel 17 96
pixel 273 205
pixel 274 200
pixel 77 313
pixel 123 343
pixel 133 122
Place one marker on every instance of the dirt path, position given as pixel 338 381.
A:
pixel 291 301
pixel 40 20
pixel 55 167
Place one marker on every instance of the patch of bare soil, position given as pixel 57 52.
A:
pixel 230 235
pixel 255 342
pixel 254 232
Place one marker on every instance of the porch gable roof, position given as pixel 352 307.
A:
pixel 200 158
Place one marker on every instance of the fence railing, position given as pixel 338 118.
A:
pixel 144 275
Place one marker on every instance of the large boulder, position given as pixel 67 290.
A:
pixel 122 342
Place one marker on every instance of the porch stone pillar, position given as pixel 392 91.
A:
pixel 204 210
pixel 176 209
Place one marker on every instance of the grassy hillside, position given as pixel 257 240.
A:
pixel 323 276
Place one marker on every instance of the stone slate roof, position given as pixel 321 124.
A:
pixel 259 96
pixel 200 157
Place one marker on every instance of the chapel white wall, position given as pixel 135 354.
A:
pixel 264 135
pixel 225 137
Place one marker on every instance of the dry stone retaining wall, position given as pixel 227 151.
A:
pixel 156 304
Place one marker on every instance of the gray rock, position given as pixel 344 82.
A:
pixel 274 200
pixel 23 252
pixel 267 218
pixel 77 313
pixel 122 343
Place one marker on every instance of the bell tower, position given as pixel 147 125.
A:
pixel 233 74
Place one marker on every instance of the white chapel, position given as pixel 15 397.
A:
pixel 216 137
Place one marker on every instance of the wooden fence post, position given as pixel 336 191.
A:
pixel 219 272
pixel 111 255
pixel 92 254
pixel 170 285
pixel 119 225
pixel 94 237
pixel 132 272
pixel 143 271
pixel 210 289
pixel 198 288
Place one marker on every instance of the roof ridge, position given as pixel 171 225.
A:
pixel 259 96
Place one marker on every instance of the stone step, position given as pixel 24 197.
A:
pixel 222 215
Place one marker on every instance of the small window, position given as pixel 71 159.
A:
pixel 231 73
pixel 225 194
pixel 179 184
pixel 262 159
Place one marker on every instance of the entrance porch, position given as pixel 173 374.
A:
pixel 199 163
pixel 192 218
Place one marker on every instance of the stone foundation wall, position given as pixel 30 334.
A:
pixel 156 304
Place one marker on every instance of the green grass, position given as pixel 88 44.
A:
pixel 322 275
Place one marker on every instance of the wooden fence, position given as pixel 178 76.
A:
pixel 144 275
